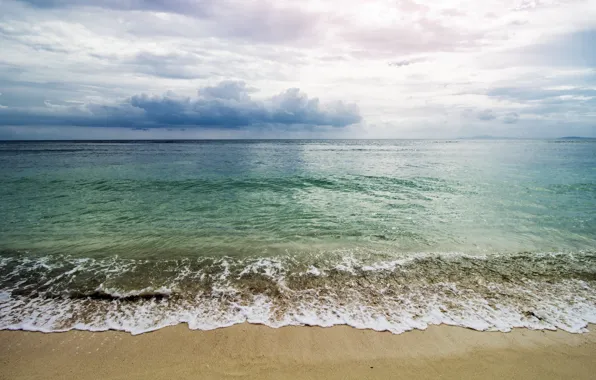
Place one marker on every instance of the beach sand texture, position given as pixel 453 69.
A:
pixel 259 352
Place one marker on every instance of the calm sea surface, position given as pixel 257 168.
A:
pixel 389 235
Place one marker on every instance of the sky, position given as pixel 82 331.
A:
pixel 144 69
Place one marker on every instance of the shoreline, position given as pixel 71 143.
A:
pixel 260 352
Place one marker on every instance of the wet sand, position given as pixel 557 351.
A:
pixel 259 352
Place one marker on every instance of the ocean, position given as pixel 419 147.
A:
pixel 390 235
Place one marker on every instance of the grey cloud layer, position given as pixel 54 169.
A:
pixel 557 103
pixel 266 21
pixel 413 66
pixel 178 6
pixel 262 21
pixel 226 105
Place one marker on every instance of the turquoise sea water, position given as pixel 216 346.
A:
pixel 390 235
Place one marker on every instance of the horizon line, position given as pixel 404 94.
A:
pixel 302 139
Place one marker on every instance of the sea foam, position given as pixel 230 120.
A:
pixel 487 293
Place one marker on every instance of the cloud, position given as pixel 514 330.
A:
pixel 573 49
pixel 422 36
pixel 539 93
pixel 486 115
pixel 406 62
pixel 198 7
pixel 571 102
pixel 229 104
pixel 260 21
pixel 529 5
pixel 81 62
pixel 511 118
pixel 453 12
pixel 282 22
pixel 172 65
pixel 228 90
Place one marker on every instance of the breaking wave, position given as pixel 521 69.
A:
pixel 365 290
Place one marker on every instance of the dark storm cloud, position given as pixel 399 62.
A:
pixel 227 105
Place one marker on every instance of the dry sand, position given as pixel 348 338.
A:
pixel 259 352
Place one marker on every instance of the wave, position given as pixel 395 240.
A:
pixel 377 291
pixel 345 184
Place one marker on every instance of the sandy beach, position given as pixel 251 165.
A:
pixel 259 352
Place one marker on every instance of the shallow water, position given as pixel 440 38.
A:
pixel 390 235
